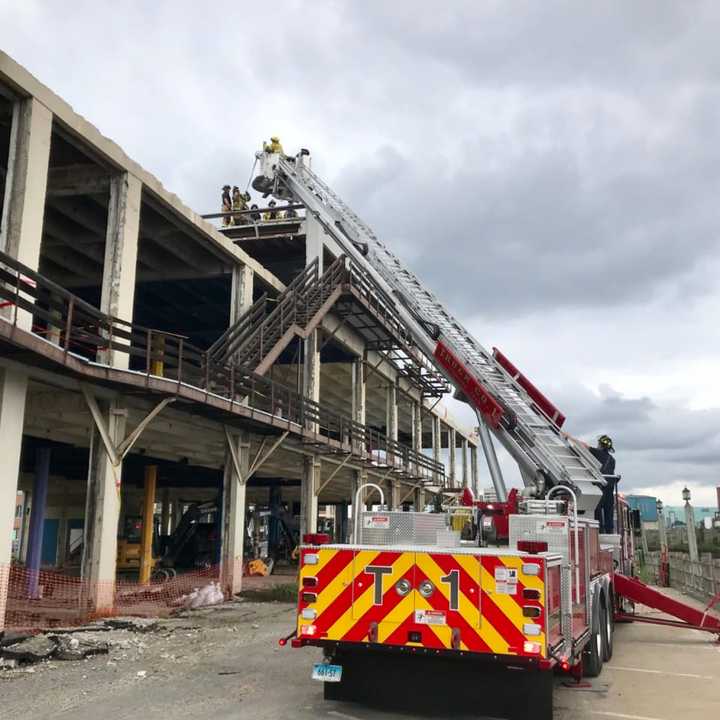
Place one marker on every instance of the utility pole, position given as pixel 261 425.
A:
pixel 661 527
pixel 690 525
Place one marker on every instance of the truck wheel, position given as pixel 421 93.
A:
pixel 608 626
pixel 593 653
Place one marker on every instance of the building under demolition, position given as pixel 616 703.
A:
pixel 176 394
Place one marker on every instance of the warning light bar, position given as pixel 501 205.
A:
pixel 532 546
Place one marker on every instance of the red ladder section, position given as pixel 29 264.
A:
pixel 688 616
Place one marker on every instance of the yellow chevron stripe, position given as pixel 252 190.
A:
pixel 324 557
pixel 529 581
pixel 334 588
pixel 399 614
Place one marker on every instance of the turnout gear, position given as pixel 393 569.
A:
pixel 270 214
pixel 274 146
pixel 238 203
pixel 604 513
pixel 226 205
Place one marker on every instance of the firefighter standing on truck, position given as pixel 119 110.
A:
pixel 605 509
pixel 226 204
pixel 239 202
pixel 274 146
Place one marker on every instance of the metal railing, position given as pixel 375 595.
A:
pixel 81 330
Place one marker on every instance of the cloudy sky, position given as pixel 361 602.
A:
pixel 549 168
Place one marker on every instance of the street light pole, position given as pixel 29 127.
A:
pixel 661 527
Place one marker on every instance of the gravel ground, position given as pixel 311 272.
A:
pixel 225 663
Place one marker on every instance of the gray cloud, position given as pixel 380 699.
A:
pixel 549 169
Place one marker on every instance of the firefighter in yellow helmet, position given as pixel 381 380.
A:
pixel 274 146
pixel 239 202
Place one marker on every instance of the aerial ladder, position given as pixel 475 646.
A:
pixel 508 405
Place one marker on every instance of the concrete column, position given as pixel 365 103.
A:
pixel 308 495
pixel 464 462
pixel 314 241
pixel 37 519
pixel 102 512
pixel 311 372
pixel 13 387
pixel 233 517
pixel 391 421
pixel 436 440
pixel 358 399
pixel 148 522
pixel 474 477
pixel 25 188
pixel 241 295
pixel 395 494
pixel 121 246
pixel 691 534
pixel 452 441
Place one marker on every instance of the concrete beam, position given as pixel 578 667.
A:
pixel 121 246
pixel 309 495
pixel 237 465
pixel 102 512
pixel 86 179
pixel 13 389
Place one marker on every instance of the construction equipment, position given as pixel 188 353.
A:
pixel 434 585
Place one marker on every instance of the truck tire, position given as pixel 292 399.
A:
pixel 608 625
pixel 592 657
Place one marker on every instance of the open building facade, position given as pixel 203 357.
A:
pixel 152 363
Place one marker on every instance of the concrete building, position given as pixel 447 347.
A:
pixel 150 362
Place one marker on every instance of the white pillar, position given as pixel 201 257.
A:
pixel 474 478
pixel 233 520
pixel 165 513
pixel 436 439
pixel 311 372
pixel 241 294
pixel 358 399
pixel 102 511
pixel 121 247
pixel 391 420
pixel 25 187
pixel 314 241
pixel 308 495
pixel 452 440
pixel 464 462
pixel 13 387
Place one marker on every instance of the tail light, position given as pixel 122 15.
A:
pixel 316 539
pixel 309 581
pixel 530 594
pixel 310 597
pixel 532 546
pixel 531 648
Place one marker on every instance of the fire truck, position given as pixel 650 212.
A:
pixel 526 582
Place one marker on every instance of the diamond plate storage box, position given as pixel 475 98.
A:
pixel 400 528
pixel 552 529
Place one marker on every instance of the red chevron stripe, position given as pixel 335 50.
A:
pixel 376 613
pixel 468 633
pixel 490 562
pixel 446 563
pixel 328 573
pixel 501 622
pixel 344 600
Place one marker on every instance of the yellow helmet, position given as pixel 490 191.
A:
pixel 275 139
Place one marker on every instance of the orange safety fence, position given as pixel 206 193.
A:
pixel 37 601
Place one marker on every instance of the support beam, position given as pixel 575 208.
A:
pixel 121 246
pixel 84 179
pixel 237 465
pixel 25 186
pixel 308 497
pixel 148 522
pixel 13 389
pixel 37 519
pixel 311 372
pixel 165 513
pixel 102 511
pixel 452 441
pixel 465 470
pixel 474 477
pixel 436 441
pixel 241 295
pixel 332 475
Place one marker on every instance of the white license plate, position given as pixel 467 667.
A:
pixel 327 673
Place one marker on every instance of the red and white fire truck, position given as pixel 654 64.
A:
pixel 525 582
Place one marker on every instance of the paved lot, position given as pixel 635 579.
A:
pixel 225 664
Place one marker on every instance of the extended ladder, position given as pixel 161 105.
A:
pixel 517 413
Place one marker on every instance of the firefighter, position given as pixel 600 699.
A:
pixel 272 213
pixel 290 213
pixel 605 509
pixel 239 202
pixel 254 216
pixel 226 204
pixel 274 146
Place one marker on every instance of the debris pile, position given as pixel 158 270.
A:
pixel 50 646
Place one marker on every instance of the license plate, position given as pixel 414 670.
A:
pixel 327 673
